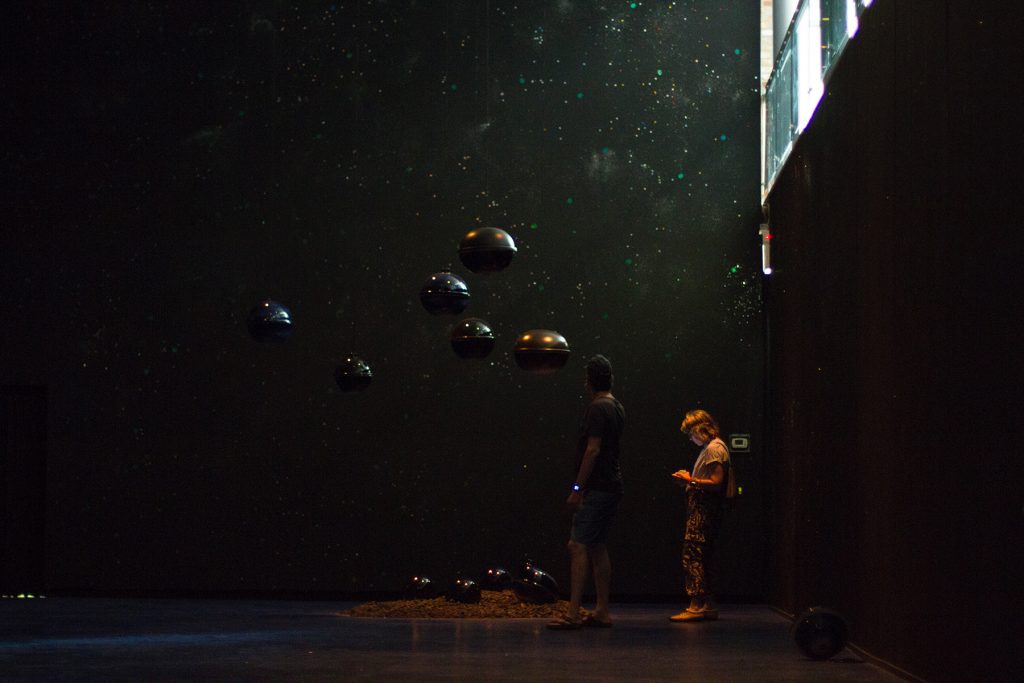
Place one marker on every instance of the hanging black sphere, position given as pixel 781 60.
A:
pixel 353 373
pixel 541 352
pixel 463 590
pixel 472 338
pixel 495 579
pixel 269 321
pixel 487 250
pixel 820 633
pixel 535 586
pixel 420 588
pixel 444 293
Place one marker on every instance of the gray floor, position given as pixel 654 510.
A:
pixel 70 639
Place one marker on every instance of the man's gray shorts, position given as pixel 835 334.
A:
pixel 593 519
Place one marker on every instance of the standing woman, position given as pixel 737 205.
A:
pixel 705 495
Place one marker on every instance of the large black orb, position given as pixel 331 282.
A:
pixel 444 293
pixel 487 250
pixel 820 633
pixel 535 586
pixel 472 338
pixel 495 579
pixel 353 373
pixel 269 321
pixel 463 590
pixel 542 352
pixel 420 588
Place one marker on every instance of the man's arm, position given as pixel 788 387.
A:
pixel 586 467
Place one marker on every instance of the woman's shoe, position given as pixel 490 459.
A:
pixel 688 615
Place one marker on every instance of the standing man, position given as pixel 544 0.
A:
pixel 594 496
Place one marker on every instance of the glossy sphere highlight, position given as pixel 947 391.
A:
pixel 541 352
pixel 269 321
pixel 463 590
pixel 487 250
pixel 444 293
pixel 353 373
pixel 472 338
pixel 820 633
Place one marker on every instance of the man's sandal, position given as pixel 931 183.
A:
pixel 564 624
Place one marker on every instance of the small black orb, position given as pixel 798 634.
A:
pixel 472 338
pixel 269 321
pixel 444 293
pixel 820 633
pixel 535 586
pixel 487 250
pixel 541 352
pixel 495 579
pixel 463 590
pixel 353 373
pixel 420 588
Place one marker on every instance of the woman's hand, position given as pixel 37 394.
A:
pixel 682 477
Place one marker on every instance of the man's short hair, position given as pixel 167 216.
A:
pixel 599 373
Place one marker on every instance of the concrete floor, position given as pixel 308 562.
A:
pixel 86 639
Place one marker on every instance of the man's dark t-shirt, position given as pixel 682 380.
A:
pixel 606 418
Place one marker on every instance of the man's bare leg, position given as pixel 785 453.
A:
pixel 579 569
pixel 602 567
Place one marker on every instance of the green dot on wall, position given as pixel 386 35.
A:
pixel 737 51
pixel 660 72
pixel 533 226
pixel 569 200
pixel 629 262
pixel 579 96
pixel 454 87
pixel 680 175
pixel 522 81
pixel 604 316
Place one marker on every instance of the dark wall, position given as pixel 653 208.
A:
pixel 894 375
pixel 173 164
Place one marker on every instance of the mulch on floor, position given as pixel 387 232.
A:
pixel 493 604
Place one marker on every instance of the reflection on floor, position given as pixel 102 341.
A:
pixel 231 640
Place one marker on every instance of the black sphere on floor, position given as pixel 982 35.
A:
pixel 463 590
pixel 269 321
pixel 487 250
pixel 820 633
pixel 353 373
pixel 534 585
pixel 495 579
pixel 420 588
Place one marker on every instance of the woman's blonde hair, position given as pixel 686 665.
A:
pixel 700 423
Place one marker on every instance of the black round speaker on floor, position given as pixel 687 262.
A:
pixel 820 633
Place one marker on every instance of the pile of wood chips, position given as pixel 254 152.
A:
pixel 493 605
